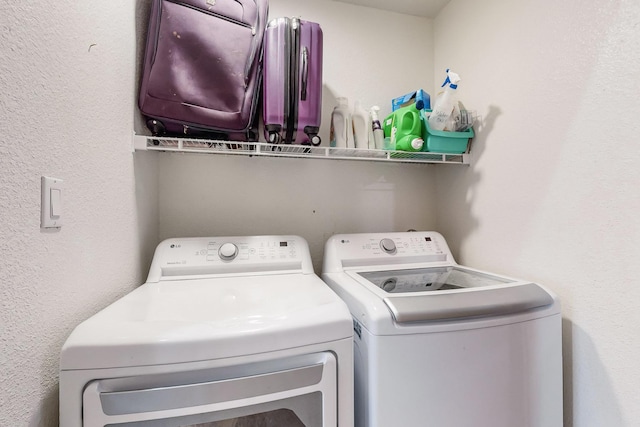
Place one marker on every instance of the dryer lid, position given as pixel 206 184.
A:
pixel 451 292
pixel 206 319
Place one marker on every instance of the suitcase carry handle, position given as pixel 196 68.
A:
pixel 305 73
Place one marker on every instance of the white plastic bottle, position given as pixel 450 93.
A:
pixel 444 104
pixel 341 124
pixel 378 133
pixel 360 120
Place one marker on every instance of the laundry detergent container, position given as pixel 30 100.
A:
pixel 438 141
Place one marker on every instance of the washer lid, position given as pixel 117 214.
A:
pixel 446 293
pixel 430 279
pixel 192 320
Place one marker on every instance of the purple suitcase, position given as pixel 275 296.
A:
pixel 292 91
pixel 203 67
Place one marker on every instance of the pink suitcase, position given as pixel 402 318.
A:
pixel 292 82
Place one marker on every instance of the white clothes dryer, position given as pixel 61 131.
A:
pixel 439 344
pixel 226 331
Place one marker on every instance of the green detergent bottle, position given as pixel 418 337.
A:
pixel 404 127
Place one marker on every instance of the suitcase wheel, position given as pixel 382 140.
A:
pixel 315 140
pixel 312 133
pixel 275 138
pixel 156 127
pixel 252 135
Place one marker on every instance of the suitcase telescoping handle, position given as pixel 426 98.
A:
pixel 305 73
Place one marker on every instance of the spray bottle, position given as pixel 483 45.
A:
pixel 445 103
pixel 378 133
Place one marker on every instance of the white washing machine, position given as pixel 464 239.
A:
pixel 225 332
pixel 438 344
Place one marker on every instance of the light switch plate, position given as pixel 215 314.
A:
pixel 51 207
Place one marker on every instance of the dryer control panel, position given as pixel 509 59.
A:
pixel 224 255
pixel 352 250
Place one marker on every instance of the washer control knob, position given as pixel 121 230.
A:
pixel 228 251
pixel 388 246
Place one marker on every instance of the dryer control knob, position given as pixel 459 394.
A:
pixel 228 251
pixel 388 246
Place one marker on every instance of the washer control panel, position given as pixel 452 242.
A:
pixel 387 248
pixel 228 251
pixel 213 255
pixel 232 250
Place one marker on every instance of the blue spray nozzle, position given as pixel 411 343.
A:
pixel 451 80
pixel 447 80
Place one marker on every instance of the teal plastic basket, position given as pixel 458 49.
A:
pixel 438 141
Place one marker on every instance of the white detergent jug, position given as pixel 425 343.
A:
pixel 361 126
pixel 341 126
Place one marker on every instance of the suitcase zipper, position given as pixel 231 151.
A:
pixel 156 38
pixel 255 45
pixel 217 15
pixel 189 128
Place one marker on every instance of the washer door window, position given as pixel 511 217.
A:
pixel 301 392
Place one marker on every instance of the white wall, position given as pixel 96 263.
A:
pixel 552 193
pixel 202 195
pixel 369 55
pixel 66 79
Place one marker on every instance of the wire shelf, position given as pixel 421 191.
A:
pixel 187 145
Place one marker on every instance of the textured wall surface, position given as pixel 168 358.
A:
pixel 66 103
pixel 552 193
pixel 310 198
pixel 67 73
pixel 370 55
